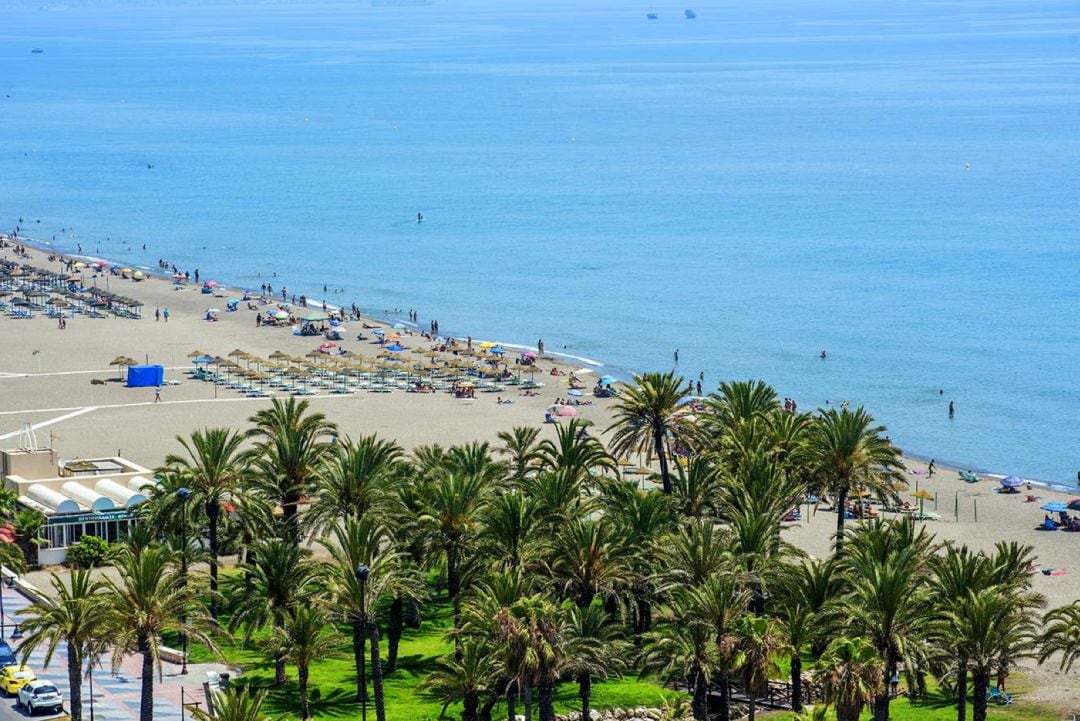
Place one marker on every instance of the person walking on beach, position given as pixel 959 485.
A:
pixel 157 315
pixel 540 346
pixel 157 394
pixel 930 469
pixel 165 315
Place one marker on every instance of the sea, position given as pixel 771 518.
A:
pixel 895 183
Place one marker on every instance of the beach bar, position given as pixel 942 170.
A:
pixel 91 496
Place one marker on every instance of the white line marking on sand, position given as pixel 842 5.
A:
pixel 51 421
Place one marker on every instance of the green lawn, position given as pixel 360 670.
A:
pixel 333 682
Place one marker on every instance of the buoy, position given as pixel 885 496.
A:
pixel 573 140
pixel 967 166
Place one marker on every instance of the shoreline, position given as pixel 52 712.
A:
pixel 623 374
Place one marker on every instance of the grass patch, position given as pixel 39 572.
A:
pixel 333 681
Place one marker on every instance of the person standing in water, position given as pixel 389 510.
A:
pixel 952 409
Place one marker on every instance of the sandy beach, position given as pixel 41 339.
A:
pixel 46 374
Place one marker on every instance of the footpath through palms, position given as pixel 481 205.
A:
pixel 115 697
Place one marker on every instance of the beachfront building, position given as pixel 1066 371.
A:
pixel 88 496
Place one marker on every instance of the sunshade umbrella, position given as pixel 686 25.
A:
pixel 327 345
pixel 923 496
pixel 566 411
pixel 487 344
pixel 378 331
pixel 281 315
pixel 1012 481
pixel 195 354
pixel 210 283
pixel 278 355
pixel 237 353
pixel 312 315
pixel 497 350
pixel 1055 506
pixel 398 326
pixel 608 380
pixel 396 347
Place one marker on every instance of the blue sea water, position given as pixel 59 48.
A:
pixel 896 182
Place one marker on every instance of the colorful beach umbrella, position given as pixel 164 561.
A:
pixel 1055 506
pixel 498 351
pixel 398 326
pixel 608 380
pixel 1012 481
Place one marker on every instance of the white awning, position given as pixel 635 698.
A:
pixel 124 496
pixel 53 500
pixel 87 497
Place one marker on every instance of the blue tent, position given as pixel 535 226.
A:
pixel 145 376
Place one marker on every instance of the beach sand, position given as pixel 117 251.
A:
pixel 45 376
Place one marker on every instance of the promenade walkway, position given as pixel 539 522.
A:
pixel 116 698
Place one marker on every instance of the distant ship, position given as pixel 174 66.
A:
pixel 650 16
pixel 690 14
pixel 38 50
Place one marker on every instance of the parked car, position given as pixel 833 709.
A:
pixel 7 656
pixel 40 695
pixel 12 678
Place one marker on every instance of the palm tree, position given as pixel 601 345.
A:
pixel 212 470
pixel 510 522
pixel 355 543
pixel 474 459
pixel 463 676
pixel 289 448
pixel 848 450
pixel 642 518
pixel 76 616
pixel 239 703
pixel 146 600
pixel 574 453
pixel 519 445
pixel 739 401
pixel 694 553
pixel 281 579
pixel 684 649
pixel 532 628
pixel 588 561
pixel 696 487
pixel 888 601
pixel 756 642
pixel 800 627
pixel 647 414
pixel 593 650
pixel 352 481
pixel 991 629
pixel 850 672
pixel 304 638
pixel 718 602
pixel 451 520
pixel 1062 635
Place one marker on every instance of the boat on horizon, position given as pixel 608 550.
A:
pixel 38 50
pixel 650 15
pixel 690 14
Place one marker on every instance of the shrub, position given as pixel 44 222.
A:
pixel 89 552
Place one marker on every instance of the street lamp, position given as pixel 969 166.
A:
pixel 183 494
pixel 91 673
pixel 2 606
pixel 362 573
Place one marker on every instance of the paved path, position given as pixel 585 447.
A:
pixel 116 698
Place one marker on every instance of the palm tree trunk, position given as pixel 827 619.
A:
pixel 699 705
pixel 585 694
pixel 470 702
pixel 376 674
pixel 841 513
pixel 725 696
pixel 752 715
pixel 511 701
pixel 279 671
pixel 289 510
pixel 213 511
pixel 547 701
pixel 358 658
pixel 981 684
pixel 661 455
pixel 796 682
pixel 146 703
pixel 75 683
pixel 394 629
pixel 961 689
pixel 453 583
pixel 305 710
pixel 488 707
pixel 882 700
pixel 528 702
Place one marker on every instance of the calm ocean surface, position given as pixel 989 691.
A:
pixel 752 186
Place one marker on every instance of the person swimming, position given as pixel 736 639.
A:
pixel 419 218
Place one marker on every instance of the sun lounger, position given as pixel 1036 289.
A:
pixel 996 695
